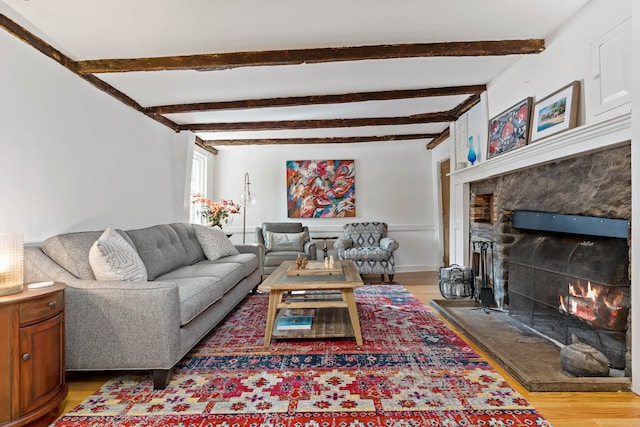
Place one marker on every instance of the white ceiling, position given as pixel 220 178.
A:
pixel 84 30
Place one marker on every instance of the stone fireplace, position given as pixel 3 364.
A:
pixel 596 184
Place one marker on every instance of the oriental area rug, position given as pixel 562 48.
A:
pixel 411 371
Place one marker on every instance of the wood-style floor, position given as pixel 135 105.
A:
pixel 591 409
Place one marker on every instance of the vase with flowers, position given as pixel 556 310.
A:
pixel 217 214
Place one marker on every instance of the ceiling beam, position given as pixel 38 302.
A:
pixel 436 117
pixel 295 101
pixel 203 144
pixel 333 140
pixel 45 48
pixel 225 61
pixel 36 42
pixel 439 139
pixel 466 105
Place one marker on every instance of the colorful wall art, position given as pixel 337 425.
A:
pixel 321 188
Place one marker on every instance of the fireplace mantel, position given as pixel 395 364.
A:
pixel 584 139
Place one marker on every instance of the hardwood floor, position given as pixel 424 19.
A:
pixel 591 409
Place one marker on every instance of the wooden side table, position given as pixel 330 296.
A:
pixel 32 383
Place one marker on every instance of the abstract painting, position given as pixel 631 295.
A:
pixel 321 188
pixel 510 129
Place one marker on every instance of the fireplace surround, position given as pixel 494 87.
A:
pixel 595 184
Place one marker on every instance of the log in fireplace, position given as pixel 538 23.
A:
pixel 563 283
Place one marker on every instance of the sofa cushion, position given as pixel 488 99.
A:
pixel 215 243
pixel 248 261
pixel 196 295
pixel 160 249
pixel 229 273
pixel 284 241
pixel 189 241
pixel 112 258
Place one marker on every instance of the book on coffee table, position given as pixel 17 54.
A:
pixel 285 323
pixel 298 312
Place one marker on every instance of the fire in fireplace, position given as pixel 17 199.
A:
pixel 599 305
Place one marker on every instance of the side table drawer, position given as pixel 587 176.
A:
pixel 42 308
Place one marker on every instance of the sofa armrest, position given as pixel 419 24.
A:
pixel 255 248
pixel 106 321
pixel 342 244
pixel 389 244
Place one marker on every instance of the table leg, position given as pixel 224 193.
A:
pixel 349 297
pixel 275 297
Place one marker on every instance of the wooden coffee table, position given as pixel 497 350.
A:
pixel 329 291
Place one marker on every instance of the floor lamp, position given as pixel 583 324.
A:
pixel 246 198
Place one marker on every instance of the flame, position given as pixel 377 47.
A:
pixel 602 305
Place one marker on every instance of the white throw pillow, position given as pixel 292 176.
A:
pixel 285 241
pixel 113 258
pixel 215 244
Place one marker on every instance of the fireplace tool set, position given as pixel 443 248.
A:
pixel 458 282
pixel 483 252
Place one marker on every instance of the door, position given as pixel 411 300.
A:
pixel 445 168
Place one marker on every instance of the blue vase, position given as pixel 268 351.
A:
pixel 472 152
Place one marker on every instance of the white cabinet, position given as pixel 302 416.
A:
pixel 608 88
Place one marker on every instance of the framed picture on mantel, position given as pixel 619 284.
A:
pixel 510 129
pixel 556 113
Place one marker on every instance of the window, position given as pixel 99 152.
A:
pixel 198 182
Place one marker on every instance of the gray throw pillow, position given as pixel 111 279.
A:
pixel 284 241
pixel 215 243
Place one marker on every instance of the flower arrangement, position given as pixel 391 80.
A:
pixel 217 213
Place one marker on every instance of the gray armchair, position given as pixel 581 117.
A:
pixel 284 241
pixel 367 245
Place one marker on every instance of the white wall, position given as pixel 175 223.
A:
pixel 393 185
pixel 74 158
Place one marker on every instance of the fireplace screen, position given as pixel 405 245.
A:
pixel 561 284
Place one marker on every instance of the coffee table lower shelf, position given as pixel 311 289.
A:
pixel 327 323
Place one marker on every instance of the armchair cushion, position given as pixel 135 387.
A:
pixel 367 254
pixel 284 241
pixel 366 234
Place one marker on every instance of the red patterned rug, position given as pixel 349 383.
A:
pixel 411 371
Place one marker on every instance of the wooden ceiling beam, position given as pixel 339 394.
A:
pixel 439 139
pixel 225 61
pixel 37 43
pixel 466 105
pixel 436 117
pixel 53 53
pixel 332 140
pixel 203 144
pixel 295 101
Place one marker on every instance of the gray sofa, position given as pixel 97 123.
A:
pixel 143 325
